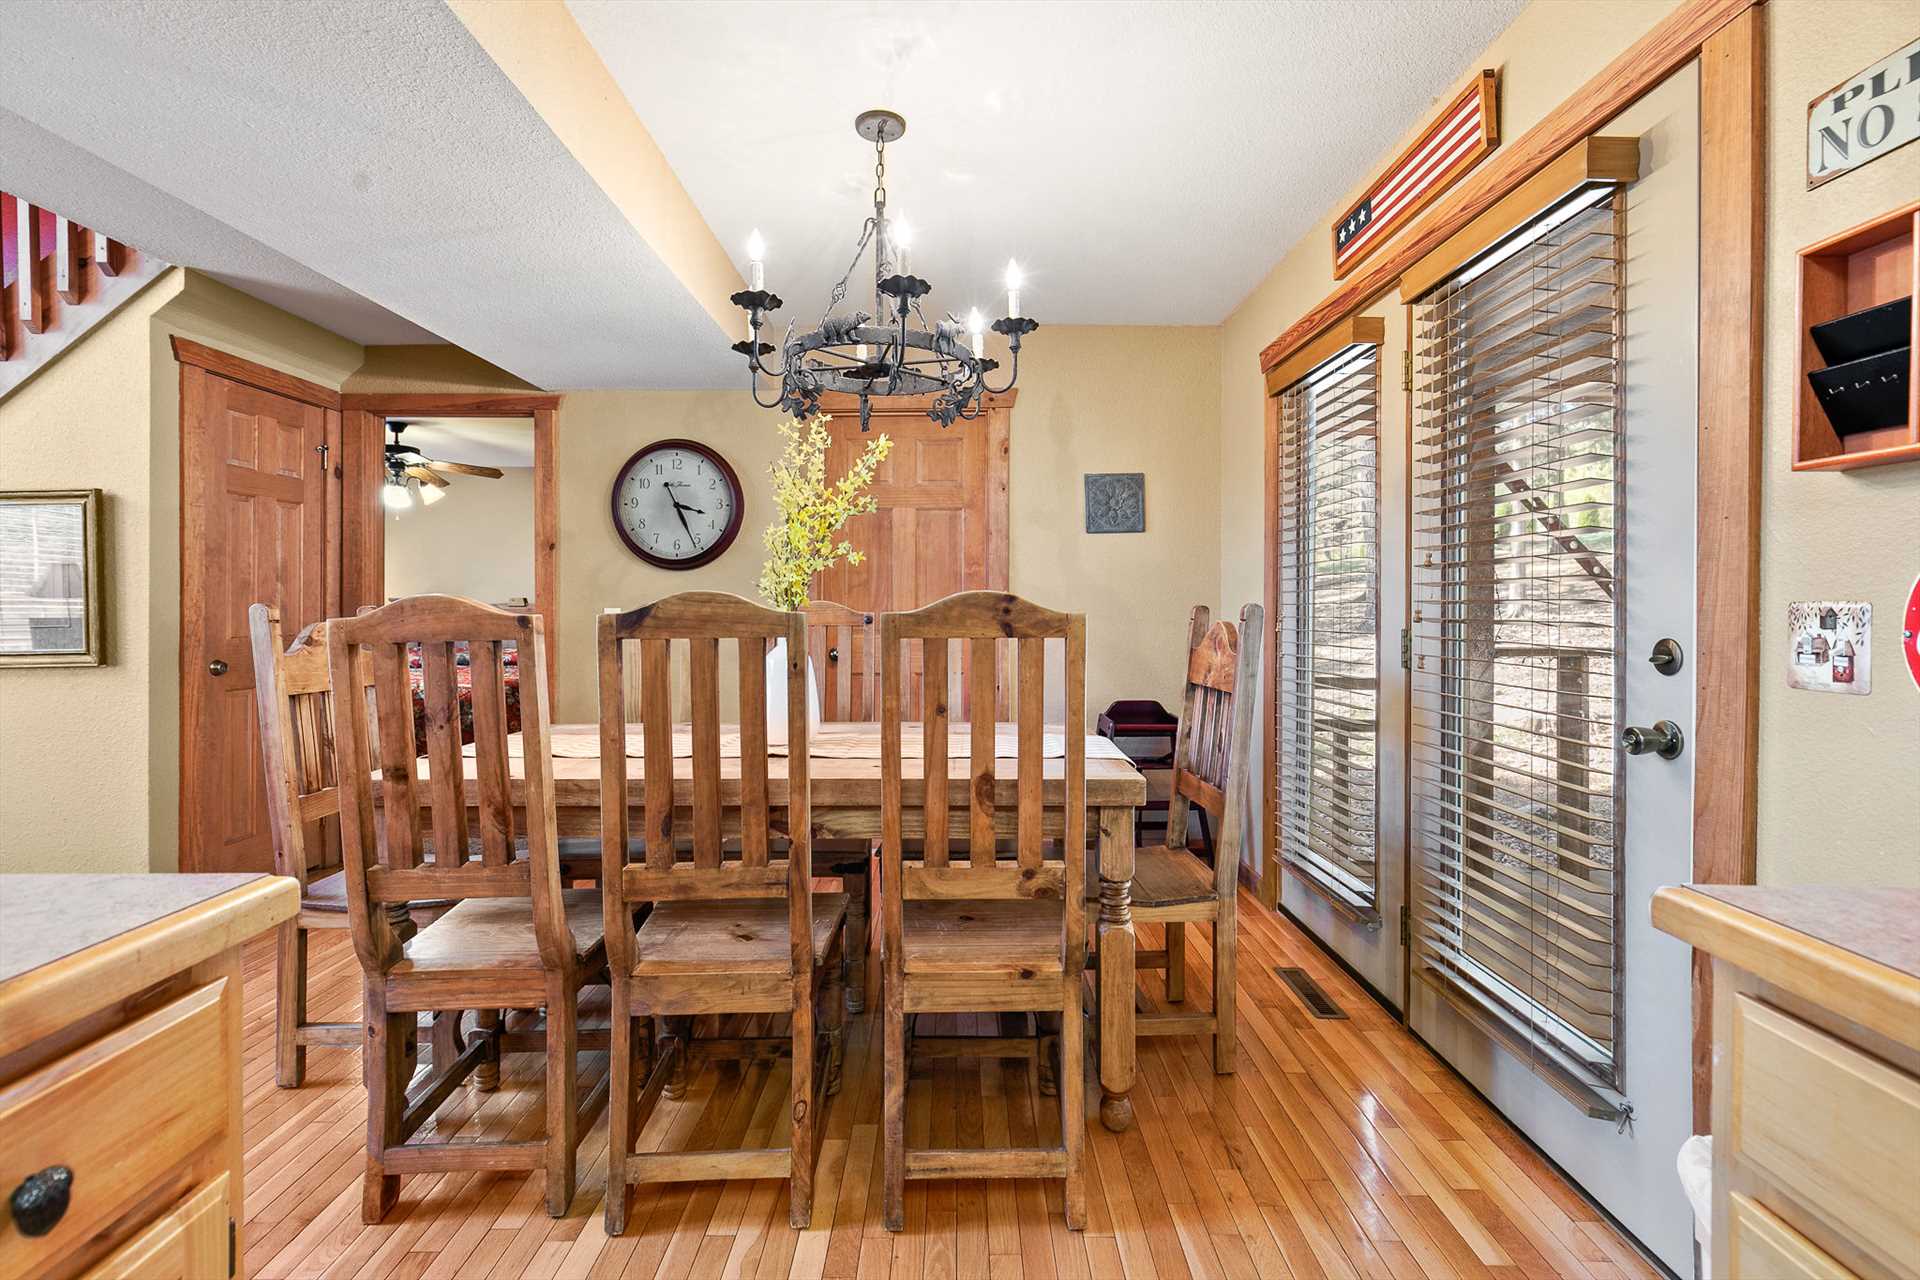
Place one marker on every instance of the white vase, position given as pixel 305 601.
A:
pixel 777 695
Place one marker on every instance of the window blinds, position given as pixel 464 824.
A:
pixel 1327 626
pixel 1517 617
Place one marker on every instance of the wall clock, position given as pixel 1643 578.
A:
pixel 677 504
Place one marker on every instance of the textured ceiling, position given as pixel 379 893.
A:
pixel 377 145
pixel 1147 163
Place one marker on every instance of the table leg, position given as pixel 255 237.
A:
pixel 1116 967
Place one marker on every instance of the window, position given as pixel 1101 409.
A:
pixel 1517 609
pixel 1326 633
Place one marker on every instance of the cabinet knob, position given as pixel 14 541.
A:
pixel 40 1201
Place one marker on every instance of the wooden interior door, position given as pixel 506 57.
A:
pixel 259 517
pixel 941 525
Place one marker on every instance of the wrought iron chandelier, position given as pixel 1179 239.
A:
pixel 882 352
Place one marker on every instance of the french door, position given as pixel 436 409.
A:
pixel 1553 524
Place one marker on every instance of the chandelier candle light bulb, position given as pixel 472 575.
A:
pixel 902 237
pixel 976 332
pixel 756 262
pixel 1014 281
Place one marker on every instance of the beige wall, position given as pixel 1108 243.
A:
pixel 89 757
pixel 476 541
pixel 1839 776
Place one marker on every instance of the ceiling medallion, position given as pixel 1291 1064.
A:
pixel 864 356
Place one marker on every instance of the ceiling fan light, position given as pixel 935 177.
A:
pixel 395 497
pixel 430 494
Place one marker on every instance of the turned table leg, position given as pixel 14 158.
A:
pixel 1115 929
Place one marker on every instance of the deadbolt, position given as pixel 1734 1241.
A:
pixel 1664 739
pixel 218 667
pixel 1666 657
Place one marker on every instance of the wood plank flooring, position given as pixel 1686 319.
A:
pixel 1340 1149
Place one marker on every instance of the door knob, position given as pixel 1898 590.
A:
pixel 218 667
pixel 1664 739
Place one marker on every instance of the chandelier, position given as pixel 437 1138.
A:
pixel 891 350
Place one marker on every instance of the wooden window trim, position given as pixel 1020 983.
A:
pixel 1729 39
pixel 1588 162
pixel 1346 332
pixel 363 546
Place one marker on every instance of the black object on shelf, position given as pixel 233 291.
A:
pixel 1865 333
pixel 1140 718
pixel 1866 394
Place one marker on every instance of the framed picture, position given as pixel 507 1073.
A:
pixel 50 579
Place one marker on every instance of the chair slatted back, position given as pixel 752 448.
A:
pixel 293 693
pixel 983 621
pixel 696 808
pixel 398 863
pixel 1211 765
pixel 845 664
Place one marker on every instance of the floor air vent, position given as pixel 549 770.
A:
pixel 1318 1002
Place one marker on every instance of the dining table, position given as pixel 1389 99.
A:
pixel 844 768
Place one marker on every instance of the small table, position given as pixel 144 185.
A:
pixel 847 804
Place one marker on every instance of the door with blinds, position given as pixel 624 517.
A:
pixel 1338 592
pixel 1553 523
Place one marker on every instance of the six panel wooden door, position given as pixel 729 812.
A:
pixel 941 526
pixel 253 527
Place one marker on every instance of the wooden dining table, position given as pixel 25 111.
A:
pixel 845 770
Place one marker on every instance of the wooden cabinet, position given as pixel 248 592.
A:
pixel 120 1070
pixel 1816 1077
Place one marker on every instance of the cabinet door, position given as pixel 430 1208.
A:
pixel 189 1243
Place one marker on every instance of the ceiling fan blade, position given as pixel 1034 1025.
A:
pixel 422 474
pixel 467 469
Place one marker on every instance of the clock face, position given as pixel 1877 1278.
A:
pixel 676 504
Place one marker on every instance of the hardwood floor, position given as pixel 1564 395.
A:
pixel 1340 1149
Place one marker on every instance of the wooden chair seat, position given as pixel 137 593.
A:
pixel 496 934
pixel 746 935
pixel 981 936
pixel 1166 880
pixel 329 894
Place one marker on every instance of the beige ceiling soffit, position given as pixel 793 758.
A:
pixel 549 60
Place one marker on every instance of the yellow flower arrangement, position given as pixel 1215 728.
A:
pixel 805 538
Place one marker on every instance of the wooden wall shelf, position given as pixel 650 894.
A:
pixel 1862 267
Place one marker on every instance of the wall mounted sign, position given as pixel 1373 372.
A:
pixel 1872 112
pixel 1116 502
pixel 1832 646
pixel 1466 129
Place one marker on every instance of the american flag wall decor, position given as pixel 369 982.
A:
pixel 1466 129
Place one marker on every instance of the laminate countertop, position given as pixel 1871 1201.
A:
pixel 1852 949
pixel 78 943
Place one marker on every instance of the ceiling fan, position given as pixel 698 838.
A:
pixel 406 464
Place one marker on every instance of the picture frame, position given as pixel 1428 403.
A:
pixel 1116 501
pixel 50 588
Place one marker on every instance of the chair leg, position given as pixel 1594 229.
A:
pixel 836 1011
pixel 805 1122
pixel 487 1077
pixel 1046 1064
pixel 1225 934
pixel 854 960
pixel 894 1111
pixel 562 1104
pixel 387 1074
pixel 1176 961
pixel 1073 1107
pixel 446 1038
pixel 620 1064
pixel 290 1007
pixel 681 1029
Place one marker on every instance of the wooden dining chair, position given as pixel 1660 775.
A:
pixel 734 926
pixel 293 694
pixel 983 933
pixel 1212 769
pixel 514 938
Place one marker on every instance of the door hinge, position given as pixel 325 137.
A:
pixel 1406 649
pixel 1406 369
pixel 1406 925
pixel 233 1248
